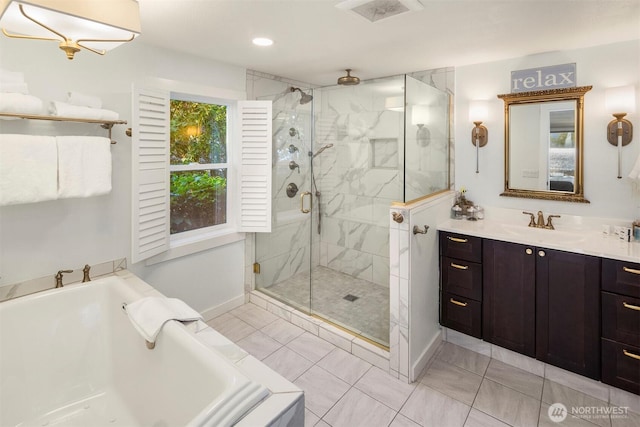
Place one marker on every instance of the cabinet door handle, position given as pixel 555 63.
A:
pixel 461 304
pixel 528 251
pixel 541 253
pixel 630 306
pixel 631 270
pixel 457 240
pixel 460 267
pixel 631 355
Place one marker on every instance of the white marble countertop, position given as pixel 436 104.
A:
pixel 572 234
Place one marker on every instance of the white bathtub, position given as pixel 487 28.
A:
pixel 70 357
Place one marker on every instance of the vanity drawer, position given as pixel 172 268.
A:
pixel 621 318
pixel 462 314
pixel 461 278
pixel 621 365
pixel 621 277
pixel 461 247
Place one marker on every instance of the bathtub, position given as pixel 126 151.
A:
pixel 70 357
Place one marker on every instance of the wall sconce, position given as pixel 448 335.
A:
pixel 97 26
pixel 478 113
pixel 619 101
pixel 420 118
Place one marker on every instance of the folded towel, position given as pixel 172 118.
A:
pixel 82 100
pixel 84 166
pixel 62 109
pixel 149 314
pixel 28 169
pixel 7 76
pixel 20 103
pixel 9 87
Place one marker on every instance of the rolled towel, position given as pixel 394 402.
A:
pixel 148 315
pixel 28 169
pixel 8 87
pixel 62 109
pixel 84 166
pixel 7 76
pixel 76 98
pixel 20 103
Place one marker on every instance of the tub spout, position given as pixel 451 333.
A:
pixel 58 277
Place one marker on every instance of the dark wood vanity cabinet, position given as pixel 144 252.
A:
pixel 568 311
pixel 461 283
pixel 621 324
pixel 509 296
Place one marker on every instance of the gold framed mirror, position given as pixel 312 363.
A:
pixel 543 144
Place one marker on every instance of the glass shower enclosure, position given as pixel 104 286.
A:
pixel 339 163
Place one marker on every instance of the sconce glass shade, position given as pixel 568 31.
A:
pixel 394 103
pixel 420 115
pixel 98 25
pixel 478 111
pixel 621 99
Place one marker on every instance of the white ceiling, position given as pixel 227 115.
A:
pixel 315 41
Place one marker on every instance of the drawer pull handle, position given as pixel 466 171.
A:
pixel 457 240
pixel 460 267
pixel 630 306
pixel 631 355
pixel 631 270
pixel 461 304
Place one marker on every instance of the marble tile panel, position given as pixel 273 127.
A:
pixel 345 366
pixel 381 270
pixel 311 347
pixel 259 345
pixel 356 408
pixel 518 360
pixel 282 331
pixel 287 363
pixel 507 405
pixel 455 382
pixel 384 388
pixel 480 419
pixel 372 354
pixel 463 358
pixel 515 378
pixel 322 390
pixel 355 263
pixel 557 393
pixel 429 407
pixel 305 322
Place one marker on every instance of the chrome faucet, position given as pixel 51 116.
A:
pixel 58 277
pixel 540 222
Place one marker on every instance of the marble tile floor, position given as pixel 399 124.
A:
pixel 368 315
pixel 457 388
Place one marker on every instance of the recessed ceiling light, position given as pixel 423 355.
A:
pixel 262 41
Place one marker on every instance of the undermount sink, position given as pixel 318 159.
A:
pixel 540 235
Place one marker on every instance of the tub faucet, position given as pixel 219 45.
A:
pixel 58 277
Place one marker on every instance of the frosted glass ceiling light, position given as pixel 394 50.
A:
pixel 94 25
pixel 262 41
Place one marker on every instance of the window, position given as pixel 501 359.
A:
pixel 201 169
pixel 198 165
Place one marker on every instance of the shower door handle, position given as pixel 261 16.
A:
pixel 302 209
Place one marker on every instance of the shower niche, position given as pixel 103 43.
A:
pixel 359 149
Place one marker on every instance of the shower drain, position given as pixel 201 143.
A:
pixel 350 298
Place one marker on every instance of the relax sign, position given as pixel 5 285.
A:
pixel 543 78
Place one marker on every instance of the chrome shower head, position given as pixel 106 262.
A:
pixel 304 97
pixel 321 149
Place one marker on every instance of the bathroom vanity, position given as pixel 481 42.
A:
pixel 568 297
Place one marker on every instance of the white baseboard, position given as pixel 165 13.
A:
pixel 424 358
pixel 216 311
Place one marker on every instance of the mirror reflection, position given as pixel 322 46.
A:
pixel 543 144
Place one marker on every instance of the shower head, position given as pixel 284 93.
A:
pixel 348 80
pixel 304 97
pixel 321 149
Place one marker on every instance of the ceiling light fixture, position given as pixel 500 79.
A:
pixel 97 26
pixel 262 41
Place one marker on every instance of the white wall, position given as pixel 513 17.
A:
pixel 602 67
pixel 38 239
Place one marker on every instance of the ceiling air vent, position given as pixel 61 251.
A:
pixel 377 10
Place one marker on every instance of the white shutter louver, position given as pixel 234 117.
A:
pixel 150 173
pixel 255 166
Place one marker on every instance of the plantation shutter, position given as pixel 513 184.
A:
pixel 255 166
pixel 150 173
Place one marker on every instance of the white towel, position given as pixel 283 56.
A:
pixel 9 87
pixel 149 314
pixel 20 103
pixel 82 100
pixel 28 169
pixel 84 166
pixel 62 109
pixel 7 76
